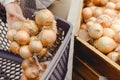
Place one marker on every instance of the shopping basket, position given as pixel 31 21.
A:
pixel 10 64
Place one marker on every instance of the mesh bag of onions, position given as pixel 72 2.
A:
pixel 32 38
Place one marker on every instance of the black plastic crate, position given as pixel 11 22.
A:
pixel 10 64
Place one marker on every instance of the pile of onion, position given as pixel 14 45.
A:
pixel 31 38
pixel 100 26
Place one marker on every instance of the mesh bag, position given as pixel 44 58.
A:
pixel 10 64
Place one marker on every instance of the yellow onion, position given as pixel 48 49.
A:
pixel 95 31
pixel 35 46
pixel 83 26
pixel 40 74
pixel 117 37
pixel 87 13
pixel 114 56
pixel 104 20
pixel 115 27
pixel 83 34
pixel 16 25
pixel 26 63
pixel 22 37
pixel 47 37
pixel 14 47
pixel 108 32
pixel 25 52
pixel 44 17
pixel 10 34
pixel 97 12
pixel 30 27
pixel 110 5
pixel 105 44
pixel 31 72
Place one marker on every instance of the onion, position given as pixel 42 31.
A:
pixel 97 12
pixel 95 31
pixel 10 34
pixel 104 20
pixel 14 47
pixel 30 27
pixel 16 25
pixel 114 56
pixel 117 6
pixel 117 37
pixel 92 19
pixel 47 37
pixel 105 44
pixel 44 17
pixel 110 5
pixel 33 38
pixel 83 26
pixel 96 2
pixel 43 52
pixel 83 34
pixel 115 1
pixel 25 52
pixel 89 24
pixel 115 27
pixel 87 13
pixel 103 2
pixel 117 49
pixel 35 46
pixel 27 63
pixel 22 37
pixel 32 72
pixel 110 12
pixel 108 32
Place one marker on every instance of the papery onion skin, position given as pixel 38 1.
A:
pixel 22 37
pixel 25 52
pixel 47 40
pixel 105 44
pixel 35 46
pixel 95 31
pixel 44 17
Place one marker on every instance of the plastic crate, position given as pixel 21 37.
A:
pixel 10 64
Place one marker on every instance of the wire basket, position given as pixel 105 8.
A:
pixel 10 64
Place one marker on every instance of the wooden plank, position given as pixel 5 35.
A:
pixel 83 69
pixel 101 63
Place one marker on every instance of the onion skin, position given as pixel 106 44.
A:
pixel 22 37
pixel 35 46
pixel 15 47
pixel 105 44
pixel 108 32
pixel 10 34
pixel 25 52
pixel 44 17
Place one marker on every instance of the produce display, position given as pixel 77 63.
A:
pixel 100 26
pixel 31 38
